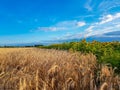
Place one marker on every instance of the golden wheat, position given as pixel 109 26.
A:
pixel 42 69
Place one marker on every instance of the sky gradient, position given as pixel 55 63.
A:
pixel 26 21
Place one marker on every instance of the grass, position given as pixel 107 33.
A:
pixel 43 69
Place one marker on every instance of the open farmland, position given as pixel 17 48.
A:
pixel 43 69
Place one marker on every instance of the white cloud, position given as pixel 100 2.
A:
pixel 64 25
pixel 85 16
pixel 88 5
pixel 107 5
pixel 109 18
pixel 118 25
pixel 80 24
pixel 106 19
pixel 71 24
pixel 68 34
pixel 108 23
pixel 89 29
pixel 71 36
pixel 50 28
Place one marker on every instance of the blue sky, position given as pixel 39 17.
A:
pixel 24 21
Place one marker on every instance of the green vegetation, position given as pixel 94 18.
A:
pixel 106 52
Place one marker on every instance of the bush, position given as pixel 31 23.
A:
pixel 106 52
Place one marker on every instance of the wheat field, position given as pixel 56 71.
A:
pixel 42 69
